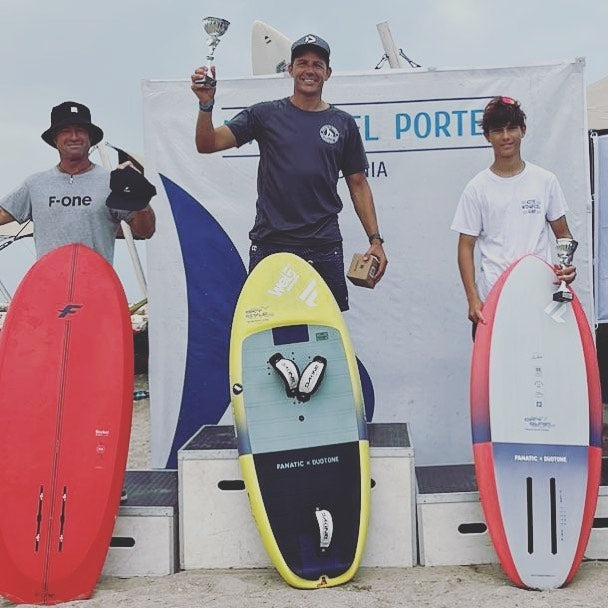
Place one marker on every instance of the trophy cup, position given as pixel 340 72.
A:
pixel 215 27
pixel 565 252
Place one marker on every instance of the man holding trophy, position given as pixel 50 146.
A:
pixel 507 210
pixel 304 144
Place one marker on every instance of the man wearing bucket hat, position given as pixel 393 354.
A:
pixel 77 201
pixel 304 144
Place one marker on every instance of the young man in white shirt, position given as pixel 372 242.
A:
pixel 506 209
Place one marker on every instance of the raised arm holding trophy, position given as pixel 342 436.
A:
pixel 215 27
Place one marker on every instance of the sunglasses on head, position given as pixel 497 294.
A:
pixel 509 101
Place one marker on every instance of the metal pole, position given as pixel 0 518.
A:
pixel 389 45
pixel 4 292
pixel 126 230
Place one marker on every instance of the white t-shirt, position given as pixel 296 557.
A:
pixel 509 216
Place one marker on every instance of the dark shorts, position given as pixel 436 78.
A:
pixel 327 260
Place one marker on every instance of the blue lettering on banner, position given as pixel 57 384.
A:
pixel 414 125
pixel 476 116
pixel 441 126
pixel 367 136
pixel 422 125
pixel 367 133
pixel 403 122
pixel 438 124
pixel 376 169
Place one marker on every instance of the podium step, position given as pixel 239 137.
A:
pixel 451 524
pixel 144 541
pixel 216 526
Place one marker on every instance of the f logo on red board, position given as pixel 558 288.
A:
pixel 69 309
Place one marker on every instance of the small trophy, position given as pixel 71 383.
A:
pixel 215 27
pixel 565 252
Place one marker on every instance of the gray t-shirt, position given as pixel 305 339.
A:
pixel 301 156
pixel 67 209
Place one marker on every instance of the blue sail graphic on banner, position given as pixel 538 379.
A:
pixel 367 388
pixel 209 257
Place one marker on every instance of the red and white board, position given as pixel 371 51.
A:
pixel 66 398
pixel 536 415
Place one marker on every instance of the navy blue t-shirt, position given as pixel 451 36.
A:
pixel 301 156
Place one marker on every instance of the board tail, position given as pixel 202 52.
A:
pixel 488 496
pixel 323 521
pixel 593 482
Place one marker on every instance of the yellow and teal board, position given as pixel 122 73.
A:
pixel 304 454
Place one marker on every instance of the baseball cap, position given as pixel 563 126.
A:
pixel 310 40
pixel 131 191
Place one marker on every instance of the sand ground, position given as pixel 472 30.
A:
pixel 419 587
pixel 478 586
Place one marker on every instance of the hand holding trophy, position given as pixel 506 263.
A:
pixel 565 252
pixel 215 27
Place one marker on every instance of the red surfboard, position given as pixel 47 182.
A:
pixel 536 414
pixel 66 391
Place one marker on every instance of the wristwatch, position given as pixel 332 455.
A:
pixel 375 237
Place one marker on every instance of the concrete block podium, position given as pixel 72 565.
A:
pixel 597 548
pixel 217 529
pixel 144 541
pixel 451 523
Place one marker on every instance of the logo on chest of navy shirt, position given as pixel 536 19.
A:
pixel 329 134
pixel 531 206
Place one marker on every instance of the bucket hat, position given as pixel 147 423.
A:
pixel 71 113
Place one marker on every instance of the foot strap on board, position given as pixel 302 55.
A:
pixel 288 371
pixel 311 378
pixel 326 528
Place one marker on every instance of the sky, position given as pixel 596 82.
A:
pixel 98 53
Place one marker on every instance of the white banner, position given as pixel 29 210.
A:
pixel 411 332
pixel 600 151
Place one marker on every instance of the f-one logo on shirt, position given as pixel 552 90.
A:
pixel 329 134
pixel 70 201
pixel 530 206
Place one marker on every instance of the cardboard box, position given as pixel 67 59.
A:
pixel 362 273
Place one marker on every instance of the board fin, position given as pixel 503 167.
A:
pixel 64 499
pixel 326 528
pixel 311 378
pixel 288 371
pixel 39 519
